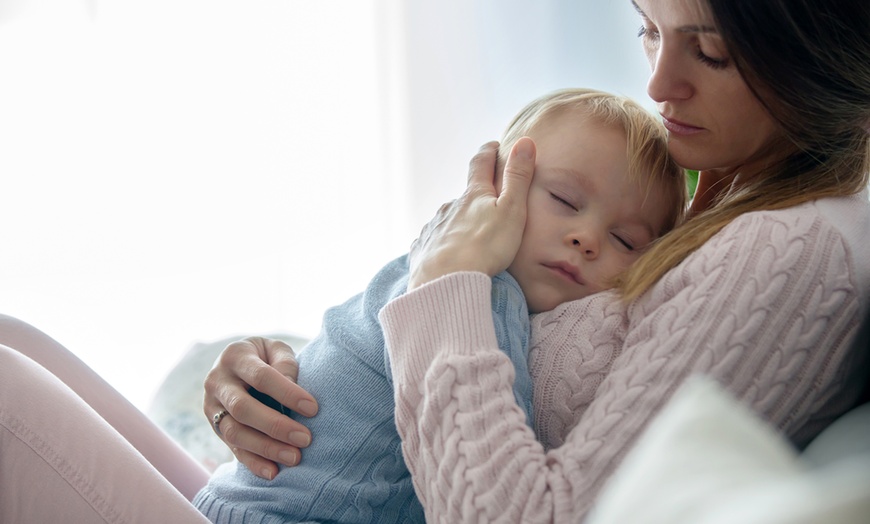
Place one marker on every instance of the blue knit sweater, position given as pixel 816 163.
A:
pixel 353 471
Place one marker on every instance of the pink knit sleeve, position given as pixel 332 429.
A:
pixel 767 308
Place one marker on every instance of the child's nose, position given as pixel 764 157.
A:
pixel 586 242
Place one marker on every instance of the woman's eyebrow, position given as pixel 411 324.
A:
pixel 638 9
pixel 697 29
pixel 683 29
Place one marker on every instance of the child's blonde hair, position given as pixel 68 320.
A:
pixel 649 162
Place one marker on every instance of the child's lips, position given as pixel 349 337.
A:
pixel 567 271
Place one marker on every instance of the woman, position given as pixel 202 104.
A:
pixel 762 289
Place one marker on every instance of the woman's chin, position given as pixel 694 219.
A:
pixel 694 158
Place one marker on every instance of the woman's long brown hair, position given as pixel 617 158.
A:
pixel 809 64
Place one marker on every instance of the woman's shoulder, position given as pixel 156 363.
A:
pixel 850 218
pixel 848 215
pixel 835 228
pixel 814 249
pixel 817 249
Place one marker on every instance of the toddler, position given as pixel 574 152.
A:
pixel 604 188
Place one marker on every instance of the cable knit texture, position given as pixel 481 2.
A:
pixel 768 307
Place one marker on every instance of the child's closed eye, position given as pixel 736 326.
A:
pixel 624 241
pixel 562 201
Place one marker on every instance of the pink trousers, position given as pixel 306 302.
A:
pixel 73 449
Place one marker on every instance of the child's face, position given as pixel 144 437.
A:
pixel 586 221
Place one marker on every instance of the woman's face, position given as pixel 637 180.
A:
pixel 713 119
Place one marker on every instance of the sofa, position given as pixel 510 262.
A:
pixel 706 459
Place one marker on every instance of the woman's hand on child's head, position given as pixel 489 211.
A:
pixel 258 435
pixel 482 229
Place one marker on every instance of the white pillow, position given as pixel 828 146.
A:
pixel 707 459
pixel 847 436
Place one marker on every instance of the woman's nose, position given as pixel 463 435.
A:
pixel 668 80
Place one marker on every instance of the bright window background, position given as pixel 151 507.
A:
pixel 185 170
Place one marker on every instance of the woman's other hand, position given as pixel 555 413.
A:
pixel 482 230
pixel 258 436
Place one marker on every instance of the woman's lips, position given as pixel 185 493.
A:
pixel 680 128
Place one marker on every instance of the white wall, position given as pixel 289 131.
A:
pixel 473 65
pixel 175 170
pixel 181 170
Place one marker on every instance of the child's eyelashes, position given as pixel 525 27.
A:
pixel 621 240
pixel 562 201
pixel 627 244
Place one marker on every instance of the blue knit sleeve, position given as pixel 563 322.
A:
pixel 510 314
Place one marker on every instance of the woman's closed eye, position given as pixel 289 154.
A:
pixel 715 63
pixel 648 33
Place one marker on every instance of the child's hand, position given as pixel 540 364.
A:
pixel 482 230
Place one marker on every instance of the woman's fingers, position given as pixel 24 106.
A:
pixel 251 427
pixel 251 412
pixel 256 464
pixel 277 378
pixel 482 166
pixel 279 355
pixel 259 452
pixel 269 366
pixel 259 435
pixel 482 230
pixel 518 173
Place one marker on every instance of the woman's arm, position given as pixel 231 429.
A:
pixel 768 308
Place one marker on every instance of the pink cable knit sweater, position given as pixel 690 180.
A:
pixel 769 307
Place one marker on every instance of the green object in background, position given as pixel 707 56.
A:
pixel 691 181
